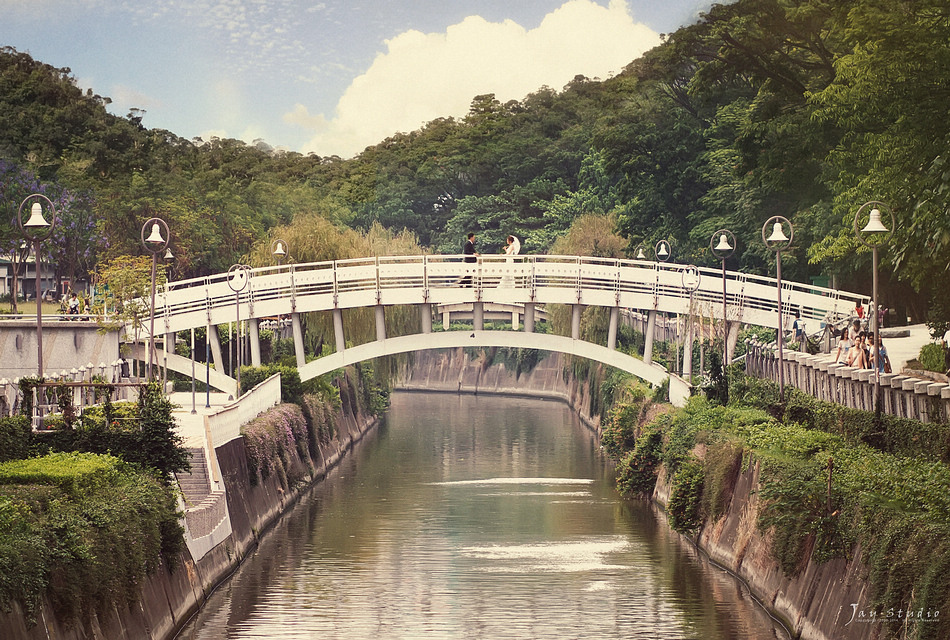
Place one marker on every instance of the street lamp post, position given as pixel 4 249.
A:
pixel 37 229
pixel 778 241
pixel 873 235
pixel 664 251
pixel 155 243
pixel 723 245
pixel 169 259
pixel 690 278
pixel 239 276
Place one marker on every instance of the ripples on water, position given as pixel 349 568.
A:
pixel 467 517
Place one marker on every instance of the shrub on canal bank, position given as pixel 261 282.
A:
pixel 82 530
pixel 831 482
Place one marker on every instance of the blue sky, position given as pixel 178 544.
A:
pixel 330 76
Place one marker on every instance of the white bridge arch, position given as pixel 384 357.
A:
pixel 522 283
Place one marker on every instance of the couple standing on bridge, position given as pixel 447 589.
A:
pixel 512 247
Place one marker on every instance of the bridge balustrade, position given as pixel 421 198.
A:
pixel 901 396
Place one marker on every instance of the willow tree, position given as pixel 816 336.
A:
pixel 314 237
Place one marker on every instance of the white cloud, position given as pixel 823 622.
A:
pixel 426 76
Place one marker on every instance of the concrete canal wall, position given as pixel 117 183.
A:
pixel 455 371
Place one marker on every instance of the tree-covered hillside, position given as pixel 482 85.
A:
pixel 801 108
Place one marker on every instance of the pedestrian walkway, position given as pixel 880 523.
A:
pixel 903 349
pixel 191 426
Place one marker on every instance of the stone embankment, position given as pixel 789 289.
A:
pixel 818 604
pixel 454 371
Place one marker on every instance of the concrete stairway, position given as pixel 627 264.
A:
pixel 204 507
pixel 196 485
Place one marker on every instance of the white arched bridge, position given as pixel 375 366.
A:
pixel 520 284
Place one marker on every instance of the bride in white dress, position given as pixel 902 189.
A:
pixel 511 249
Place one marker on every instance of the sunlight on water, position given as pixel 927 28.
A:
pixel 476 518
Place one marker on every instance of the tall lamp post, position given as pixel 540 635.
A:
pixel 239 276
pixel 690 278
pixel 873 235
pixel 723 245
pixel 37 229
pixel 777 242
pixel 155 243
pixel 664 250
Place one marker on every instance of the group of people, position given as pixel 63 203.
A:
pixel 856 349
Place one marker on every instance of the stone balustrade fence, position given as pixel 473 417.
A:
pixel 902 396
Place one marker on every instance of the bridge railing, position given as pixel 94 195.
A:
pixel 539 279
pixel 225 425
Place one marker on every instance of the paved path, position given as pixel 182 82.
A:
pixel 191 427
pixel 900 350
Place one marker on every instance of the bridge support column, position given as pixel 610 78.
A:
pixel 478 316
pixel 446 319
pixel 216 354
pixel 298 339
pixel 426 317
pixel 648 337
pixel 529 317
pixel 612 328
pixel 576 310
pixel 254 332
pixel 380 322
pixel 338 334
pixel 515 316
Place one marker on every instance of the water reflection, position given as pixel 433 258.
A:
pixel 467 517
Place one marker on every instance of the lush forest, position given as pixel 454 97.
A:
pixel 800 108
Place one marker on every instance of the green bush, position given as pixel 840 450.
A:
pixel 636 473
pixel 75 473
pixel 291 389
pixel 721 466
pixel 83 531
pixel 685 508
pixel 932 357
pixel 15 436
pixel 143 433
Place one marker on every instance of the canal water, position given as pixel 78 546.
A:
pixel 476 517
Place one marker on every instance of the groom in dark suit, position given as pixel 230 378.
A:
pixel 471 255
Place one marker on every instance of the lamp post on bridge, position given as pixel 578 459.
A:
pixel 690 278
pixel 873 235
pixel 778 241
pixel 278 249
pixel 723 245
pixel 239 275
pixel 37 229
pixel 155 243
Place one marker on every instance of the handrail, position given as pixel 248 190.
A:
pixel 360 282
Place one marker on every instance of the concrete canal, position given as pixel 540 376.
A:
pixel 476 517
